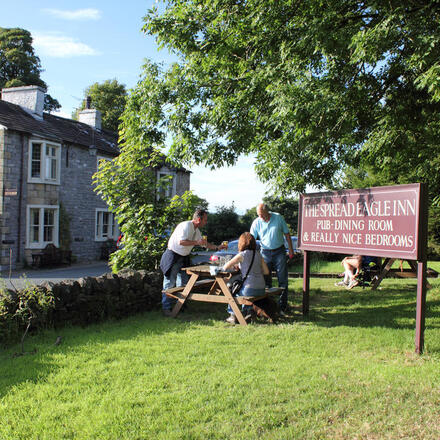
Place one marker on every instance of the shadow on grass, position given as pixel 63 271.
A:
pixel 391 307
pixel 95 337
pixel 42 355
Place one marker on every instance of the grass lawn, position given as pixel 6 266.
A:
pixel 318 265
pixel 347 371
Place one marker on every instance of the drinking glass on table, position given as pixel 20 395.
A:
pixel 225 244
pixel 205 238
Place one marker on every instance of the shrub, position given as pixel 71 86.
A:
pixel 24 309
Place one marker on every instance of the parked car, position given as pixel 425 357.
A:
pixel 199 256
pixel 206 256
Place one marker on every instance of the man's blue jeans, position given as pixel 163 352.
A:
pixel 176 277
pixel 276 261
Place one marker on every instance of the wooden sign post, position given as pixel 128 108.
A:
pixel 389 221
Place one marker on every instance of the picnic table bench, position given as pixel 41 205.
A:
pixel 202 286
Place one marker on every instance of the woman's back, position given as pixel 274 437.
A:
pixel 255 278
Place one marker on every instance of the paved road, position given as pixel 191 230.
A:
pixel 37 276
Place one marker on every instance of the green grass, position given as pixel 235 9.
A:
pixel 321 266
pixel 318 266
pixel 347 371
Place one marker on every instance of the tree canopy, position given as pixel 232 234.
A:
pixel 311 88
pixel 109 98
pixel 19 66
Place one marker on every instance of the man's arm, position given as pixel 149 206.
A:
pixel 254 230
pixel 289 243
pixel 200 242
pixel 286 233
pixel 203 243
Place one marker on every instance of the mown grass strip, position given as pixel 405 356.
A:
pixel 346 371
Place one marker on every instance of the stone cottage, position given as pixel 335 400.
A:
pixel 46 168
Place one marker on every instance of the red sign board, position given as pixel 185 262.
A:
pixel 381 221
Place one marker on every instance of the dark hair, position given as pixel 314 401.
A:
pixel 199 213
pixel 246 241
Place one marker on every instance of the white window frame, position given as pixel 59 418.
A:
pixel 113 234
pixel 43 162
pixel 41 244
pixel 171 189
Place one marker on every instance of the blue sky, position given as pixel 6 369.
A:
pixel 83 42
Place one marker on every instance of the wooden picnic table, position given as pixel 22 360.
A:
pixel 202 286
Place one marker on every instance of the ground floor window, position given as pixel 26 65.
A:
pixel 106 225
pixel 42 226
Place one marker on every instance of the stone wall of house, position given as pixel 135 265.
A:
pixel 182 182
pixel 80 201
pixel 3 251
pixel 12 158
pixel 75 194
pixel 2 160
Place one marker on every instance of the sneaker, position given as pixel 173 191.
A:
pixel 283 313
pixel 167 313
pixel 249 317
pixel 341 284
pixel 353 283
pixel 231 319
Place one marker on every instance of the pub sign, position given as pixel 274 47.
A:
pixel 380 221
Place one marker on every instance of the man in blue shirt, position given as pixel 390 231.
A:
pixel 271 228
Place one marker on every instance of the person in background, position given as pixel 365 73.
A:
pixel 254 284
pixel 183 239
pixel 352 266
pixel 271 228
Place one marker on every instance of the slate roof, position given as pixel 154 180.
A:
pixel 58 129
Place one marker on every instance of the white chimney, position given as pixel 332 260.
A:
pixel 30 98
pixel 90 116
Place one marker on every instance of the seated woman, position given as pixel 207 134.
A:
pixel 254 284
pixel 352 266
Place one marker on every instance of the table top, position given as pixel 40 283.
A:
pixel 205 270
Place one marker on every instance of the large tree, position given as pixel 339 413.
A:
pixel 109 98
pixel 224 224
pixel 130 188
pixel 311 88
pixel 19 66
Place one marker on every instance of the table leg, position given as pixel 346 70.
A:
pixel 185 293
pixel 235 308
pixel 414 267
pixel 388 263
pixel 213 287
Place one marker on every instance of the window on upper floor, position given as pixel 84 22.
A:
pixel 44 162
pixel 106 225
pixel 42 226
pixel 168 187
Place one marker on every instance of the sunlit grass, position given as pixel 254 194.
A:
pixel 317 265
pixel 346 371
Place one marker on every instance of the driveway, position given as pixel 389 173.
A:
pixel 38 276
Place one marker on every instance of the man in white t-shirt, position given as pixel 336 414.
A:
pixel 183 239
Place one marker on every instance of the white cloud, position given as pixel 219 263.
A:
pixel 79 14
pixel 60 46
